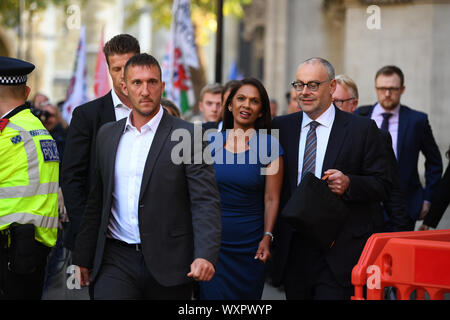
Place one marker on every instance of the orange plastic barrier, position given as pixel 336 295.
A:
pixel 409 261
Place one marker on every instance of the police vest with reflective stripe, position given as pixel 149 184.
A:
pixel 29 171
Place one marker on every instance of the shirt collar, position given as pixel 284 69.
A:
pixel 325 119
pixel 152 125
pixel 116 100
pixel 378 110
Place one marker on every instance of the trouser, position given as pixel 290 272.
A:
pixel 308 276
pixel 15 286
pixel 124 275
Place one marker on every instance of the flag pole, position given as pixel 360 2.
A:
pixel 219 38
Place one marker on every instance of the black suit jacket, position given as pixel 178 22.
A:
pixel 440 200
pixel 395 206
pixel 355 148
pixel 79 159
pixel 414 136
pixel 179 206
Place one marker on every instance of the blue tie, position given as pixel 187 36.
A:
pixel 309 157
pixel 385 123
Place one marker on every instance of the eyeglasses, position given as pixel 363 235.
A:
pixel 312 85
pixel 384 89
pixel 338 103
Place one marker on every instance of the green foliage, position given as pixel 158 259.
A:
pixel 10 9
pixel 161 11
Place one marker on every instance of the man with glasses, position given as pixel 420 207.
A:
pixel 396 218
pixel 411 134
pixel 324 140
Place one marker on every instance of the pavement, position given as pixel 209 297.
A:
pixel 63 286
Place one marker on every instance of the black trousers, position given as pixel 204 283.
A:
pixel 308 276
pixel 15 286
pixel 125 276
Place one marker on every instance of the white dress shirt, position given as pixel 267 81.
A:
pixel 393 122
pixel 131 156
pixel 120 109
pixel 323 131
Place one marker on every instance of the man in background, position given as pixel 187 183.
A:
pixel 411 135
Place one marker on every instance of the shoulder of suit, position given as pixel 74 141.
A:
pixel 95 105
pixel 364 110
pixel 414 113
pixel 285 118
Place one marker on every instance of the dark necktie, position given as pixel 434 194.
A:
pixel 385 123
pixel 309 157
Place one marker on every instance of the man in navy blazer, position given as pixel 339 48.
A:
pixel 350 150
pixel 79 156
pixel 411 134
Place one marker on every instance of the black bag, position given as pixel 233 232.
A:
pixel 23 249
pixel 313 210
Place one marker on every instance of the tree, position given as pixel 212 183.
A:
pixel 10 9
pixel 203 14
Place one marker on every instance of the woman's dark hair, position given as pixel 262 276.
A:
pixel 447 154
pixel 262 122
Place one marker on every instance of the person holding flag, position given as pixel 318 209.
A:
pixel 79 158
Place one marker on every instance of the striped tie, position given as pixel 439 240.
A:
pixel 309 157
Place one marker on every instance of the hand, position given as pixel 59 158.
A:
pixel 425 208
pixel 82 276
pixel 201 270
pixel 337 181
pixel 424 227
pixel 263 252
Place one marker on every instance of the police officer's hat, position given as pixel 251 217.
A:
pixel 14 71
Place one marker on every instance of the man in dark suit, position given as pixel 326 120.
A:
pixel 411 134
pixel 348 149
pixel 346 97
pixel 79 156
pixel 151 223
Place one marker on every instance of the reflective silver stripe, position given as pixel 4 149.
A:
pixel 24 218
pixel 33 187
pixel 28 191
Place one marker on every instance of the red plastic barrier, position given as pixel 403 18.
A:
pixel 409 261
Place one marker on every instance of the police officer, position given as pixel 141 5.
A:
pixel 29 168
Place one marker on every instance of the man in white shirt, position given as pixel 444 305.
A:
pixel 324 140
pixel 79 156
pixel 151 225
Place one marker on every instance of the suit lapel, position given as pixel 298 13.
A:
pixel 337 137
pixel 108 113
pixel 115 137
pixel 293 146
pixel 402 128
pixel 161 136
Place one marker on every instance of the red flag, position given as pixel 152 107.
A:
pixel 101 78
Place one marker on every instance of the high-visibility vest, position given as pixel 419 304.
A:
pixel 29 173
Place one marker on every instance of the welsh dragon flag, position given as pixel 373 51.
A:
pixel 181 53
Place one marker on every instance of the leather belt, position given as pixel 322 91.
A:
pixel 135 246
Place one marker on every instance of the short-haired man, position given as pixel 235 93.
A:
pixel 349 150
pixel 345 97
pixel 151 225
pixel 291 97
pixel 79 155
pixel 210 104
pixel 411 134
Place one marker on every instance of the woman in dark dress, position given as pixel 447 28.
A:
pixel 249 173
pixel 440 201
